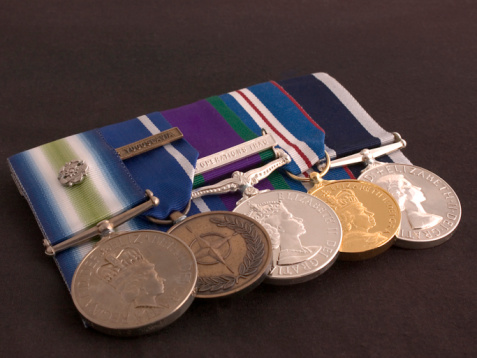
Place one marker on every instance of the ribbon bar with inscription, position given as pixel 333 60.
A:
pixel 234 154
pixel 149 143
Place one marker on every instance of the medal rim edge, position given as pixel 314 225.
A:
pixel 148 327
pixel 253 284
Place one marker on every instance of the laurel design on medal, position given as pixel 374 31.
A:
pixel 232 250
pixel 251 261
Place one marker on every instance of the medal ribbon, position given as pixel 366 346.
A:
pixel 63 211
pixel 111 187
pixel 221 122
pixel 167 171
pixel 349 128
pixel 296 112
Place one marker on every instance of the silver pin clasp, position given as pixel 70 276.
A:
pixel 235 153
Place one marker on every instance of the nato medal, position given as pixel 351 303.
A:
pixel 233 251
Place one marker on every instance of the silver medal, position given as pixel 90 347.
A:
pixel 305 232
pixel 430 208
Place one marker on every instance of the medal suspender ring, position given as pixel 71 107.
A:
pixel 314 177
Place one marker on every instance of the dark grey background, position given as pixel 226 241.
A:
pixel 70 66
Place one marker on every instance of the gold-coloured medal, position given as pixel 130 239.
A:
pixel 370 217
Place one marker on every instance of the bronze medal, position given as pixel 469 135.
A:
pixel 233 251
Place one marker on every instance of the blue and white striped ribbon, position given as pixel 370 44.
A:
pixel 167 171
pixel 111 187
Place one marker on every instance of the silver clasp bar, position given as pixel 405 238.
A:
pixel 368 155
pixel 103 228
pixel 244 181
pixel 234 154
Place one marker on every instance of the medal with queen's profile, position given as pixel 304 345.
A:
pixel 369 215
pixel 135 283
pixel 429 207
pixel 305 233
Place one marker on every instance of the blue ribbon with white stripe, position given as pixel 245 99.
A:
pixel 167 171
pixel 348 127
pixel 111 187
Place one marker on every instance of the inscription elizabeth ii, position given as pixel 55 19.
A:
pixel 430 208
pixel 134 283
pixel 305 233
pixel 370 216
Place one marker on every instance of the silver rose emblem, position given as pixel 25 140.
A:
pixel 73 173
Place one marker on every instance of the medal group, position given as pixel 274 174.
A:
pixel 136 281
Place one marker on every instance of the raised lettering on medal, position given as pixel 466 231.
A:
pixel 430 208
pixel 305 232
pixel 135 283
pixel 369 215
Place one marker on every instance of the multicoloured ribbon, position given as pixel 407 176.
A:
pixel 223 121
pixel 112 186
pixel 167 171
pixel 297 112
pixel 63 211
